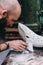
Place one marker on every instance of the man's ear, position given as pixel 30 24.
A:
pixel 4 13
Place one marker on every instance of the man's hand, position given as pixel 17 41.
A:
pixel 17 45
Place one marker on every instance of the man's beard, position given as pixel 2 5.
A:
pixel 3 22
pixel 2 26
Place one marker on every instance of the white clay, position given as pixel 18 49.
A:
pixel 31 38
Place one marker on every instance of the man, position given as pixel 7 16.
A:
pixel 10 10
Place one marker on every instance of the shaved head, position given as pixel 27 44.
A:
pixel 8 4
pixel 11 6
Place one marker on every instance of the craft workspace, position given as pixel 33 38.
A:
pixel 21 32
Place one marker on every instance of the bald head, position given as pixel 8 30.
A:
pixel 11 6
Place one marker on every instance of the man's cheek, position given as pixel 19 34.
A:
pixel 1 17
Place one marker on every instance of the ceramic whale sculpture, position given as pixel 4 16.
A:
pixel 31 38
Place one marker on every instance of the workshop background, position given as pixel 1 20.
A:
pixel 31 16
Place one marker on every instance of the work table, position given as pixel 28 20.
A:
pixel 18 58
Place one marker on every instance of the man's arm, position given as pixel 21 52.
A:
pixel 17 45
